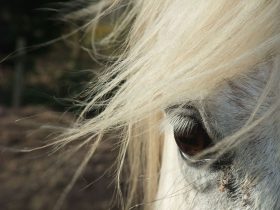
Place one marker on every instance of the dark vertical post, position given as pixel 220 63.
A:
pixel 18 76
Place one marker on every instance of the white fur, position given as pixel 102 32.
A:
pixel 255 166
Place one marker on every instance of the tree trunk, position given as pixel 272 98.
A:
pixel 19 68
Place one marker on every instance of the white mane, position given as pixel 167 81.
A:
pixel 179 51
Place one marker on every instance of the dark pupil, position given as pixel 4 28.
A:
pixel 194 141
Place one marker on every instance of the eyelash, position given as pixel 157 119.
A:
pixel 183 124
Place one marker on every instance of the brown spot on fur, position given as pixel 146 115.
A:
pixel 227 182
pixel 224 182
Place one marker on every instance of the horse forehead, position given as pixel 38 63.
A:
pixel 230 105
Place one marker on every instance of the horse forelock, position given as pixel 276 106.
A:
pixel 180 51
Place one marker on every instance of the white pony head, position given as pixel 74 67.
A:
pixel 194 97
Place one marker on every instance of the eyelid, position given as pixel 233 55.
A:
pixel 194 162
pixel 182 117
pixel 182 125
pixel 177 115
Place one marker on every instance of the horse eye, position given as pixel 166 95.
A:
pixel 193 141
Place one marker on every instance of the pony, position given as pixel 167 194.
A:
pixel 193 97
